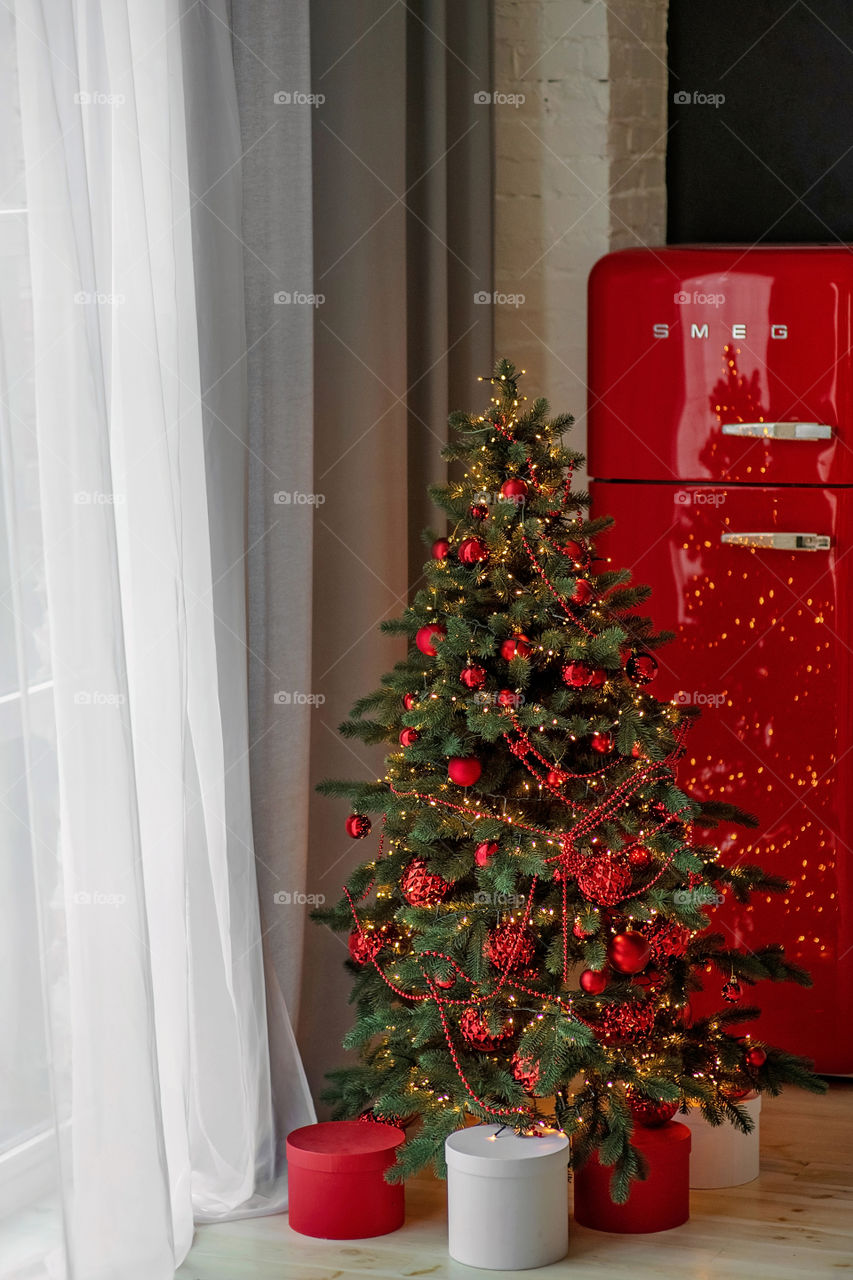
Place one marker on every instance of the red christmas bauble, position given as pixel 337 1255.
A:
pixel 583 592
pixel 476 1033
pixel 604 880
pixel 599 675
pixel 516 647
pixel 622 1023
pixel 641 668
pixel 510 946
pixel 427 637
pixel 409 737
pixel 629 952
pixel 732 991
pixel 509 698
pixel 735 1094
pixel 484 851
pixel 473 677
pixel 473 551
pixel 578 553
pixel 556 778
pixel 358 826
pixel 478 511
pixel 526 1072
pixel 637 750
pixel 755 1056
pixel 593 981
pixel 420 887
pixel 578 674
pixel 648 1113
pixel 515 489
pixel 367 941
pixel 410 700
pixel 440 549
pixel 601 742
pixel 667 938
pixel 445 981
pixel 464 770
pixel 639 856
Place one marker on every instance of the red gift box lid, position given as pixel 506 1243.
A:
pixel 344 1146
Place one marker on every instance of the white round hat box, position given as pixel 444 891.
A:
pixel 507 1198
pixel 722 1156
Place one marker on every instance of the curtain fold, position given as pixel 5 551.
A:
pixel 164 1106
pixel 395 240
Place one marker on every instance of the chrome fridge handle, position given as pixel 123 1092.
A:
pixel 778 541
pixel 779 430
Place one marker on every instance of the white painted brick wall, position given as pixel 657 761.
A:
pixel 579 170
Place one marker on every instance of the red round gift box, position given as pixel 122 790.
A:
pixel 661 1202
pixel 336 1188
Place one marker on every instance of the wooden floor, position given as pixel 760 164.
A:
pixel 794 1221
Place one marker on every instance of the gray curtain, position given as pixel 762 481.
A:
pixel 383 180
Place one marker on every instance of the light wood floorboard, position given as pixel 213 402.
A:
pixel 795 1222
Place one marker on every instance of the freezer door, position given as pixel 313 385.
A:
pixel 723 364
pixel 756 584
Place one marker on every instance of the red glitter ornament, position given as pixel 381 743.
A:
pixel 358 826
pixel 755 1056
pixel 410 700
pixel 577 675
pixel 526 1072
pixel 478 511
pixel 370 1116
pixel 641 668
pixel 667 938
pixel 484 851
pixel 628 952
pixel 649 1113
pixel 593 981
pixel 604 880
pixel 509 698
pixel 601 742
pixel 583 592
pixel 472 551
pixel 623 1023
pixel 464 770
pixel 578 553
pixel 476 1033
pixel 408 737
pixel 420 887
pixel 516 647
pixel 427 637
pixel 445 981
pixel 473 677
pixel 368 941
pixel 515 489
pixel 732 991
pixel 556 778
pixel 440 549
pixel 639 856
pixel 510 946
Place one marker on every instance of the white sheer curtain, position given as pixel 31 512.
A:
pixel 128 441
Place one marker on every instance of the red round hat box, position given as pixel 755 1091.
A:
pixel 659 1203
pixel 336 1188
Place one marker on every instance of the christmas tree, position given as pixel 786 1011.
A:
pixel 526 937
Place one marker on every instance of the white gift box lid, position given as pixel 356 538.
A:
pixel 491 1151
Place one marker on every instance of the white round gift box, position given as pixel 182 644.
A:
pixel 722 1156
pixel 507 1198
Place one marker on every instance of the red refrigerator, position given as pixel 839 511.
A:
pixel 721 439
